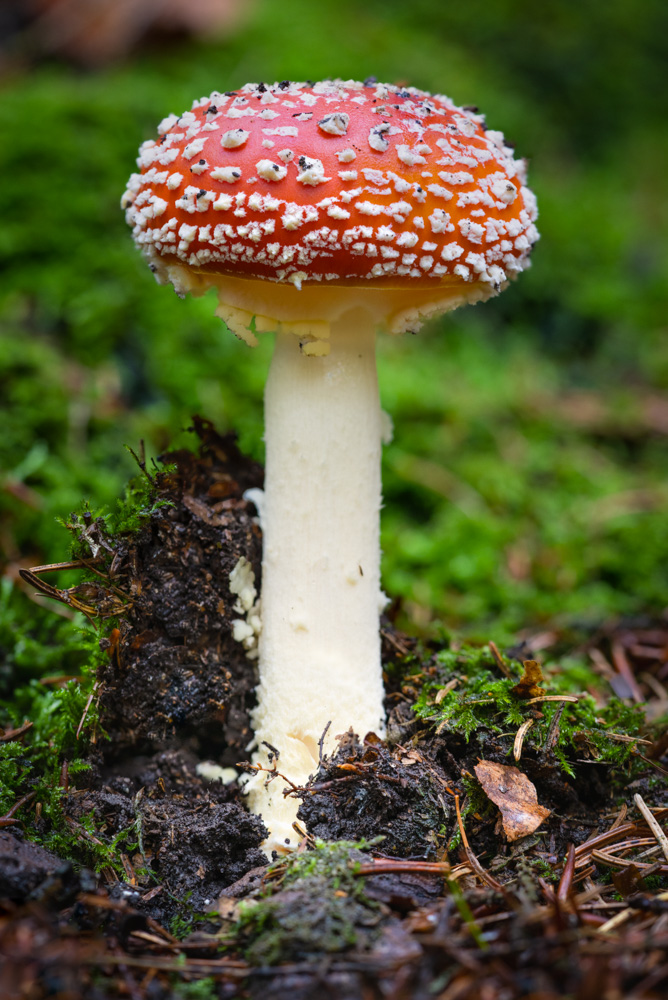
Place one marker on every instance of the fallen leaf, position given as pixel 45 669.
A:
pixel 528 686
pixel 515 796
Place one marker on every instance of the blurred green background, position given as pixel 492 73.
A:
pixel 526 483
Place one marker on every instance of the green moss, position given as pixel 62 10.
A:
pixel 330 860
pixel 14 769
pixel 40 653
pixel 321 907
pixel 484 702
pixel 505 502
pixel 200 989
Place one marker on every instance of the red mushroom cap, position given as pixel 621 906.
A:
pixel 337 182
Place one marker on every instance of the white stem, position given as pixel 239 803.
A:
pixel 320 646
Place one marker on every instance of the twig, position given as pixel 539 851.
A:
pixel 130 873
pixel 7 736
pixel 73 564
pixel 566 880
pixel 614 922
pixel 83 832
pixel 621 816
pixel 552 697
pixel 305 839
pixel 648 760
pixel 8 818
pixel 321 742
pixel 612 861
pixel 272 771
pixel 472 859
pixel 624 670
pixel 661 838
pixel 583 852
pixel 442 692
pixel 498 659
pixel 386 866
pixel 623 738
pixel 553 730
pixel 519 738
pixel 86 708
pixel 141 459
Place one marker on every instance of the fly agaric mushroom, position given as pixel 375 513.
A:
pixel 325 212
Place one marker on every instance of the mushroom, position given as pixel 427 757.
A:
pixel 324 212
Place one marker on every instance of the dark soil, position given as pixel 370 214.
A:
pixel 198 913
pixel 196 838
pixel 373 790
pixel 175 672
pixel 25 866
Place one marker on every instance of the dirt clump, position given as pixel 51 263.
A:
pixel 403 885
pixel 175 670
pixel 26 867
pixel 369 790
pixel 191 836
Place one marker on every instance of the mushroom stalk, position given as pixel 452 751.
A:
pixel 320 647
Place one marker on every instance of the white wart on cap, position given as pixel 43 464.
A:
pixel 334 183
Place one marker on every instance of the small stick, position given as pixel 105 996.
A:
pixel 566 880
pixel 552 697
pixel 621 816
pixel 472 859
pixel 612 861
pixel 57 595
pixel 379 866
pixel 8 818
pixel 7 736
pixel 73 564
pixel 130 873
pixel 498 659
pixel 272 772
pixel 553 731
pixel 306 841
pixel 624 669
pixel 83 832
pixel 86 709
pixel 612 835
pixel 661 838
pixel 140 459
pixel 321 742
pixel 614 922
pixel 519 738
pixel 441 693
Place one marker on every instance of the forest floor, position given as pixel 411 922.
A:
pixel 505 840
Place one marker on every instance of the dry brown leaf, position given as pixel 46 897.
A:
pixel 515 796
pixel 528 686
